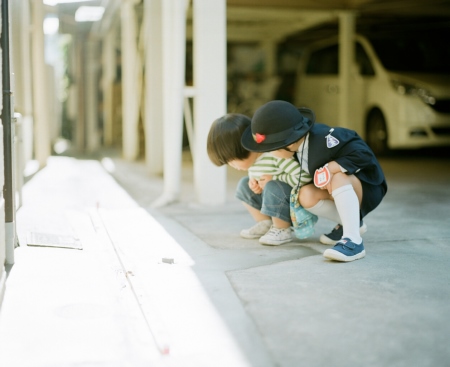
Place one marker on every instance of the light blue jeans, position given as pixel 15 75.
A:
pixel 274 200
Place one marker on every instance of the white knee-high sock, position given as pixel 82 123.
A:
pixel 347 205
pixel 326 209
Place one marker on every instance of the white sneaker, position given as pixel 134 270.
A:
pixel 277 236
pixel 258 230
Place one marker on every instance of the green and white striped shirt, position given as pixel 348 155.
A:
pixel 281 169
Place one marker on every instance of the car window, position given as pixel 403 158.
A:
pixel 413 54
pixel 363 61
pixel 326 61
pixel 323 61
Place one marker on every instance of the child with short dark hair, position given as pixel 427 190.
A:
pixel 264 170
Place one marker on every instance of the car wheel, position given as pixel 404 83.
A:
pixel 376 133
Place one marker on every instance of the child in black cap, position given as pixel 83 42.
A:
pixel 348 180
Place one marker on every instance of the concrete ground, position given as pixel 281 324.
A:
pixel 177 286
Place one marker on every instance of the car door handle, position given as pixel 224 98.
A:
pixel 332 88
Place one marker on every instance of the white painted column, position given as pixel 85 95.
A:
pixel 20 46
pixel 42 146
pixel 79 110
pixel 210 76
pixel 26 67
pixel 2 205
pixel 346 61
pixel 54 108
pixel 130 109
pixel 109 74
pixel 153 123
pixel 174 55
pixel 91 95
pixel 270 51
pixel 20 50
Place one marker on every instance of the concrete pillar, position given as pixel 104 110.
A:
pixel 130 109
pixel 91 95
pixel 153 125
pixel 24 96
pixel 210 76
pixel 42 145
pixel 20 48
pixel 270 53
pixel 174 54
pixel 79 90
pixel 2 206
pixel 54 108
pixel 346 61
pixel 20 52
pixel 109 74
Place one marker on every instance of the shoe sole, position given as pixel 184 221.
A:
pixel 275 244
pixel 251 237
pixel 338 256
pixel 326 241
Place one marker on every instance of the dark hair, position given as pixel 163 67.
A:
pixel 224 139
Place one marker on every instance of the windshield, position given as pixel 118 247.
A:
pixel 414 54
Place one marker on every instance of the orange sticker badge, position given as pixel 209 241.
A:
pixel 322 177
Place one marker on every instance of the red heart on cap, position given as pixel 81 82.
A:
pixel 259 138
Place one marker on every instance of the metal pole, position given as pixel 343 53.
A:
pixel 6 116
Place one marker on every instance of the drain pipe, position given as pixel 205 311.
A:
pixel 8 130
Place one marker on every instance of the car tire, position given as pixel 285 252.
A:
pixel 376 133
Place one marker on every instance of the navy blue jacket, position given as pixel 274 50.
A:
pixel 352 153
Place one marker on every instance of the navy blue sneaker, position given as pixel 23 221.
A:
pixel 345 250
pixel 336 234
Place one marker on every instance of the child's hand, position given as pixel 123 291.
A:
pixel 328 187
pixel 254 186
pixel 264 179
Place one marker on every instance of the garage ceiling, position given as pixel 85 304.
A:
pixel 278 19
pixel 255 20
pixel 398 7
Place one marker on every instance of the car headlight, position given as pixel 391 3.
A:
pixel 413 90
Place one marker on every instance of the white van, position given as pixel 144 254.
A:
pixel 400 90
